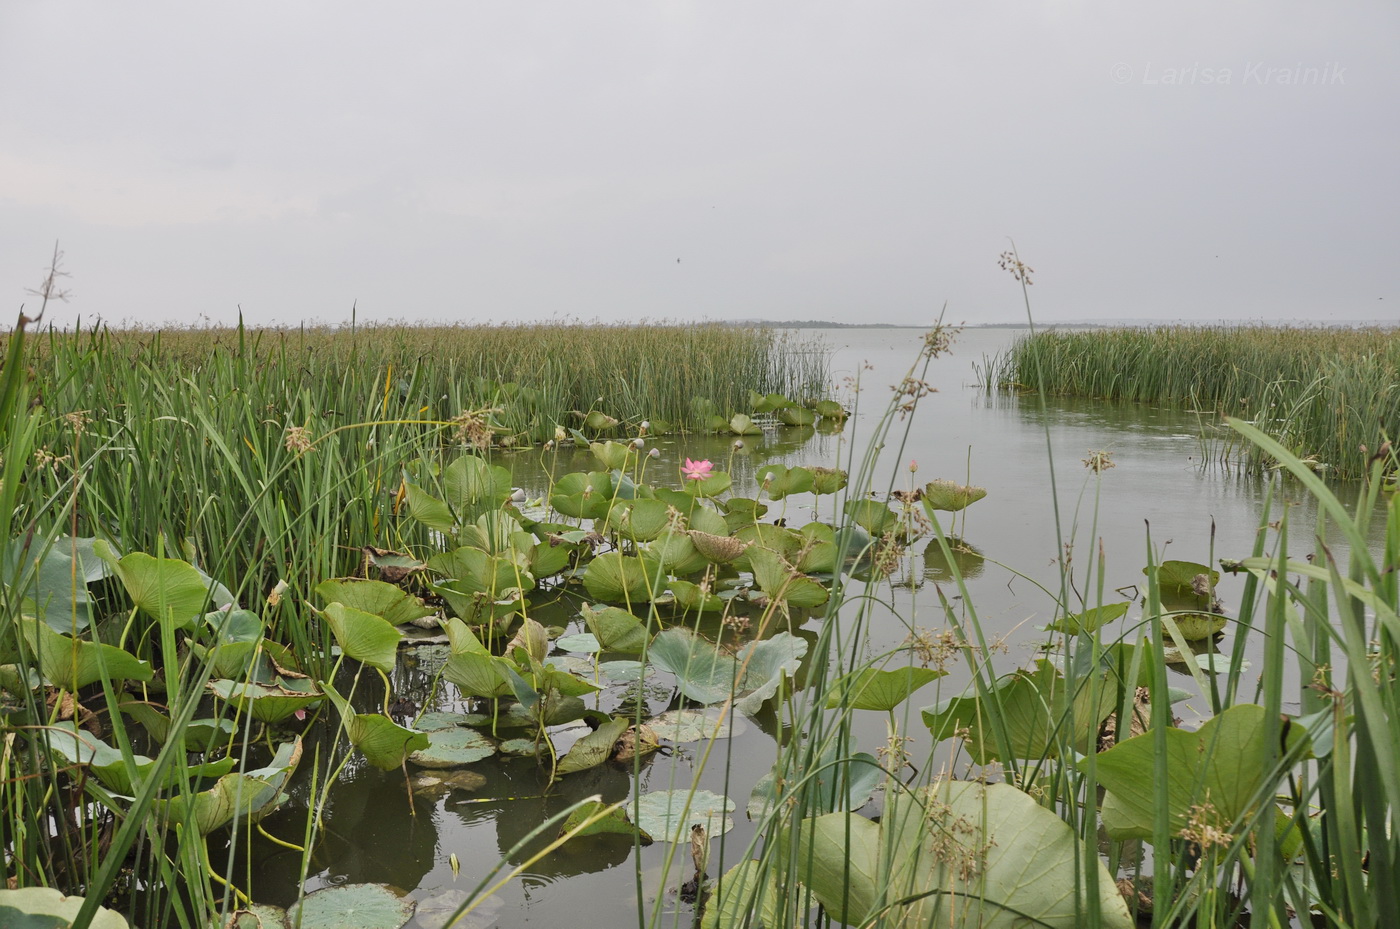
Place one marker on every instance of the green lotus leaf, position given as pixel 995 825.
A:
pixel 613 456
pixel 1226 763
pixel 828 784
pixel 58 591
pixel 617 578
pixel 739 424
pixel 583 496
pixel 1037 709
pixel 1182 575
pixel 584 643
pixel 249 795
pixel 1090 619
pixel 364 636
pixel 667 815
pixel 615 629
pixel 676 552
pixel 704 519
pixel 796 416
pixel 746 895
pixel 46 908
pixel 78 746
pixel 830 409
pixel 610 820
pixel 872 516
pixel 692 598
pixel 875 689
pixel 267 703
pixel 779 481
pixel 477 674
pixel 165 589
pixel 782 582
pixel 696 725
pixel 472 487
pixel 550 557
pixel 594 748
pixel 74 663
pixel 785 542
pixel 384 743
pixel 389 601
pixel 706 675
pixel 966 561
pixel 429 510
pixel 949 496
pixel 1196 627
pixel 639 520
pixel 828 480
pixel 352 906
pixel 474 570
pixel 597 421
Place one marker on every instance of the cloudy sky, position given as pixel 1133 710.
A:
pixel 483 160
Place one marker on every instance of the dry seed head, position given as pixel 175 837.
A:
pixel 298 439
pixel 1099 461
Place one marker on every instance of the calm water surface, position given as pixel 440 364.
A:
pixel 1157 495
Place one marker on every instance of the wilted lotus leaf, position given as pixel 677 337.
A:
pixel 950 496
pixel 268 703
pixel 716 548
pixel 593 749
pixel 251 795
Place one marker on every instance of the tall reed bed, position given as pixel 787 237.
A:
pixel 1323 393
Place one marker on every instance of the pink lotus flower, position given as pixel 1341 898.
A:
pixel 696 470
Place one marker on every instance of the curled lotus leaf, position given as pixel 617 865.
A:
pixel 950 496
pixel 716 548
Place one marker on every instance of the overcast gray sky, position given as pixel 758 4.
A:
pixel 853 161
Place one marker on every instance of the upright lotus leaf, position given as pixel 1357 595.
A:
pixel 268 703
pixel 617 578
pixel 58 593
pixel 352 906
pixel 493 532
pixel 994 859
pixel 73 663
pixel 706 675
pixel 759 403
pixel 384 743
pixel 472 487
pixel 1194 626
pixel 250 795
pixel 782 582
pixel 46 908
pixel 876 689
pixel 830 409
pixel 598 421
pixel 1226 763
pixel 763 664
pixel 639 520
pixel 716 483
pixel 872 516
pixel 613 456
pixel 780 539
pixel 838 859
pixel 198 734
pixel 76 746
pixel 950 496
pixel 704 519
pixel 429 510
pixel 389 601
pixel 778 481
pixel 1090 619
pixel 742 511
pixel 677 553
pixel 233 625
pixel 1038 711
pixel 255 661
pixel 828 480
pixel 739 424
pixel 478 674
pixel 583 496
pixel 692 598
pixel 796 416
pixel 667 815
pixel 364 636
pixel 548 558
pixel 745 897
pixel 393 567
pixel 165 589
pixel 533 638
pixel 616 629
pixel 474 570
pixel 594 748
pixel 828 783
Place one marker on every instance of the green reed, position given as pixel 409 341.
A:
pixel 1323 393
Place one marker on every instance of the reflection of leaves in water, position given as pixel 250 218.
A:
pixel 967 558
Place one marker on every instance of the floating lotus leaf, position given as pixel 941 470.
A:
pixel 73 663
pixel 1196 627
pixel 1090 619
pixel 781 581
pixel 667 815
pixel 1009 863
pixel 605 820
pixel 46 908
pixel 593 749
pixel 1038 711
pixel 616 630
pixel 716 548
pixel 830 409
pixel 452 748
pixel 523 748
pixel 395 605
pixel 1226 763
pixel 739 424
pixel 695 725
pixel 621 671
pixel 583 642
pixel 950 496
pixel 617 578
pixel 778 481
pixel 257 916
pixel 875 689
pixel 692 598
pixel 796 416
pixel 352 906
pixel 267 703
pixel 442 720
pixel 364 636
